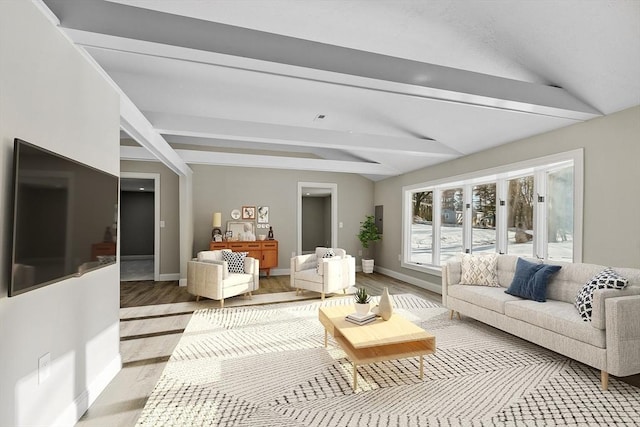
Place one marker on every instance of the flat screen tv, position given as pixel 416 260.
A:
pixel 65 216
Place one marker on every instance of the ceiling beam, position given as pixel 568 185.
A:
pixel 235 130
pixel 322 61
pixel 260 161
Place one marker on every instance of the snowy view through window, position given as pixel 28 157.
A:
pixel 522 198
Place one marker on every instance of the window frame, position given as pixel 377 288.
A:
pixel 500 175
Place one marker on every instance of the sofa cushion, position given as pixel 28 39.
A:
pixel 488 297
pixel 565 285
pixel 607 278
pixel 507 268
pixel 309 275
pixel 556 316
pixel 479 270
pixel 530 280
pixel 212 255
pixel 235 260
pixel 238 279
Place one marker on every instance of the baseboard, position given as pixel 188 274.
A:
pixel 169 277
pixel 73 413
pixel 135 257
pixel 182 282
pixel 437 288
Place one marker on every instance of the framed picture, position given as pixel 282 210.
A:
pixel 263 214
pixel 241 230
pixel 248 212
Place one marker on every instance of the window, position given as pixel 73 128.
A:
pixel 421 227
pixel 531 209
pixel 483 218
pixel 451 227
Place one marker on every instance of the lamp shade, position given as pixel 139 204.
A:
pixel 217 219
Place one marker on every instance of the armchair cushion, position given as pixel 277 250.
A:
pixel 235 261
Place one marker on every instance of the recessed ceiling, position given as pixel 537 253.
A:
pixel 402 84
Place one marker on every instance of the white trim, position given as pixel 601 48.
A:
pixel 156 216
pixel 334 211
pixel 72 414
pixel 411 280
pixel 168 277
pixel 510 171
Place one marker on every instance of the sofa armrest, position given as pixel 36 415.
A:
pixel 598 319
pixel 303 262
pixel 623 335
pixel 450 276
pixel 204 278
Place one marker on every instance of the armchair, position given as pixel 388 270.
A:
pixel 208 275
pixel 324 275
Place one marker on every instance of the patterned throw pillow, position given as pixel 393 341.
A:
pixel 328 254
pixel 607 278
pixel 479 270
pixel 235 261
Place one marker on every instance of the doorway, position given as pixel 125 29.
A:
pixel 138 227
pixel 317 216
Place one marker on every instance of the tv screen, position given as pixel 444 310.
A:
pixel 65 218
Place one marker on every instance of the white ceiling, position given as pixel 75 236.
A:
pixel 402 84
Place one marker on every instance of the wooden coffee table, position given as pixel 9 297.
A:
pixel 396 338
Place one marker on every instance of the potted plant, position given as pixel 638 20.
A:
pixel 362 299
pixel 367 235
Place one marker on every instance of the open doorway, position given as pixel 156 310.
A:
pixel 317 216
pixel 138 227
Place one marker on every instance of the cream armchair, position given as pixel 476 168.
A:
pixel 208 276
pixel 324 275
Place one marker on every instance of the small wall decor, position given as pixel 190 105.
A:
pixel 263 214
pixel 216 235
pixel 248 212
pixel 235 214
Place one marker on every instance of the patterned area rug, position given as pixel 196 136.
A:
pixel 267 366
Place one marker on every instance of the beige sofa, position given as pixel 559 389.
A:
pixel 609 342
pixel 208 276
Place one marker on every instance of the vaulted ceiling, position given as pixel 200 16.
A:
pixel 377 88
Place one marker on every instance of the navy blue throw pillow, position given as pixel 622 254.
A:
pixel 530 280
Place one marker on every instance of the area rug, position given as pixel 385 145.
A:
pixel 267 366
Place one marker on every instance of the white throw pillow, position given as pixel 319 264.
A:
pixel 479 270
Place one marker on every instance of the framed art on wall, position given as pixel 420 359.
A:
pixel 248 212
pixel 263 214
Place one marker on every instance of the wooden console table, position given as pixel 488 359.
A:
pixel 265 251
pixel 103 248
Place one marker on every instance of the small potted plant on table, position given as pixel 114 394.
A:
pixel 362 299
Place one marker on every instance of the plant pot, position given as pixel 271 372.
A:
pixel 362 308
pixel 367 266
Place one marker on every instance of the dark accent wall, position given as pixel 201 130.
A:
pixel 136 223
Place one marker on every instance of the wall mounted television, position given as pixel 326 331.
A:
pixel 65 217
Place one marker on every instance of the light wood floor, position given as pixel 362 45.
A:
pixel 153 316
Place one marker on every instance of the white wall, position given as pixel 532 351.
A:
pixel 50 96
pixel 611 231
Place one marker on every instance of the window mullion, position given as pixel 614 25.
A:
pixel 501 215
pixel 540 214
pixel 466 219
pixel 437 215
